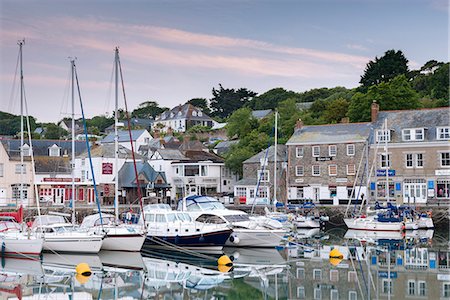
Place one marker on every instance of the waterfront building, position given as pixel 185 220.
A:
pixel 258 175
pixel 14 175
pixel 324 161
pixel 415 152
pixel 181 118
pixel 139 137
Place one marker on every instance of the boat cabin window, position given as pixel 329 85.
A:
pixel 160 218
pixel 171 217
pixel 106 220
pixel 237 218
pixel 150 217
pixel 212 219
pixel 184 217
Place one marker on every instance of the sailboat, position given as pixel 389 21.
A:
pixel 15 241
pixel 117 236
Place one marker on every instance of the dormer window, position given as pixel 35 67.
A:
pixel 383 135
pixel 194 113
pixel 54 150
pixel 199 114
pixel 172 115
pixel 443 133
pixel 179 113
pixel 413 134
pixel 26 150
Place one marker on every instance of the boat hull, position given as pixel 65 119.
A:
pixel 21 247
pixel 255 238
pixel 209 240
pixel 73 244
pixel 123 242
pixel 425 223
pixel 370 224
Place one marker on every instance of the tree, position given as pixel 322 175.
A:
pixel 235 157
pixel 147 110
pixel 336 110
pixel 54 132
pixel 385 68
pixel 226 101
pixel 240 123
pixel 271 98
pixel 394 95
pixel 10 124
pixel 288 116
pixel 201 103
pixel 100 123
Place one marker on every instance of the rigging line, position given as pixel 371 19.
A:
pixel 360 267
pixel 13 88
pixel 108 96
pixel 88 147
pixel 65 98
pixel 131 140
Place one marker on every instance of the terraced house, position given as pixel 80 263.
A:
pixel 324 161
pixel 414 151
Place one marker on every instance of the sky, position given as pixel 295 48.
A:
pixel 173 51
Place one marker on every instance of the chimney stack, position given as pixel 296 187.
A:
pixel 374 109
pixel 156 133
pixel 299 124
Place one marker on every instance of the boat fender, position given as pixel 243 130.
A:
pixel 83 272
pixel 3 248
pixel 234 256
pixel 234 239
pixel 224 260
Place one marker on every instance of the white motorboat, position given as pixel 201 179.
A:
pixel 117 236
pixel 246 232
pixel 166 227
pixel 372 224
pixel 61 236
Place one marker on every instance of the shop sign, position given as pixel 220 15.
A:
pixel 341 180
pixel 442 172
pixel 107 168
pixel 324 158
pixel 55 179
pixel 383 173
pixel 385 274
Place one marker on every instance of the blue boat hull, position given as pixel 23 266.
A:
pixel 213 239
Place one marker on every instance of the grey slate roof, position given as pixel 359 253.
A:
pixel 330 134
pixel 419 118
pixel 247 182
pixel 123 136
pixel 127 178
pixel 40 147
pixel 281 155
pixel 259 114
pixel 198 155
pixel 171 154
pixel 108 151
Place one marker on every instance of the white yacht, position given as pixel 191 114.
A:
pixel 18 242
pixel 167 228
pixel 117 236
pixel 247 232
pixel 61 236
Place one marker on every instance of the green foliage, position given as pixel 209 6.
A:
pixel 384 69
pixel 10 124
pixel 336 110
pixel 235 157
pixel 271 99
pixel 100 123
pixel 201 103
pixel 147 110
pixel 288 115
pixel 241 122
pixel 54 132
pixel 198 129
pixel 396 94
pixel 226 101
pixel 321 93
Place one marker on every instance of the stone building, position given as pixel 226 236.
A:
pixel 327 162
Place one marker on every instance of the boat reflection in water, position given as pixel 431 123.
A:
pixel 373 266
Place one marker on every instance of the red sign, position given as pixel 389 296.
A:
pixel 107 168
pixel 106 190
pixel 48 179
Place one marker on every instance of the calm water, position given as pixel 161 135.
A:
pixel 375 266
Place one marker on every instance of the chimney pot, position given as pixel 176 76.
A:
pixel 299 124
pixel 374 109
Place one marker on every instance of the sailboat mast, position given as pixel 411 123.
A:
pixel 21 43
pixel 116 135
pixel 275 161
pixel 386 158
pixel 72 65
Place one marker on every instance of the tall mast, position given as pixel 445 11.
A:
pixel 275 161
pixel 72 64
pixel 116 135
pixel 386 158
pixel 21 43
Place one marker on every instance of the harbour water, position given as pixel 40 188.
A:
pixel 374 266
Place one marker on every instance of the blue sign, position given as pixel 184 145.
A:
pixel 398 186
pixel 431 184
pixel 384 274
pixel 372 186
pixel 383 172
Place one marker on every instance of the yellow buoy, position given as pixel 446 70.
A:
pixel 224 260
pixel 335 261
pixel 83 272
pixel 335 253
pixel 224 268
